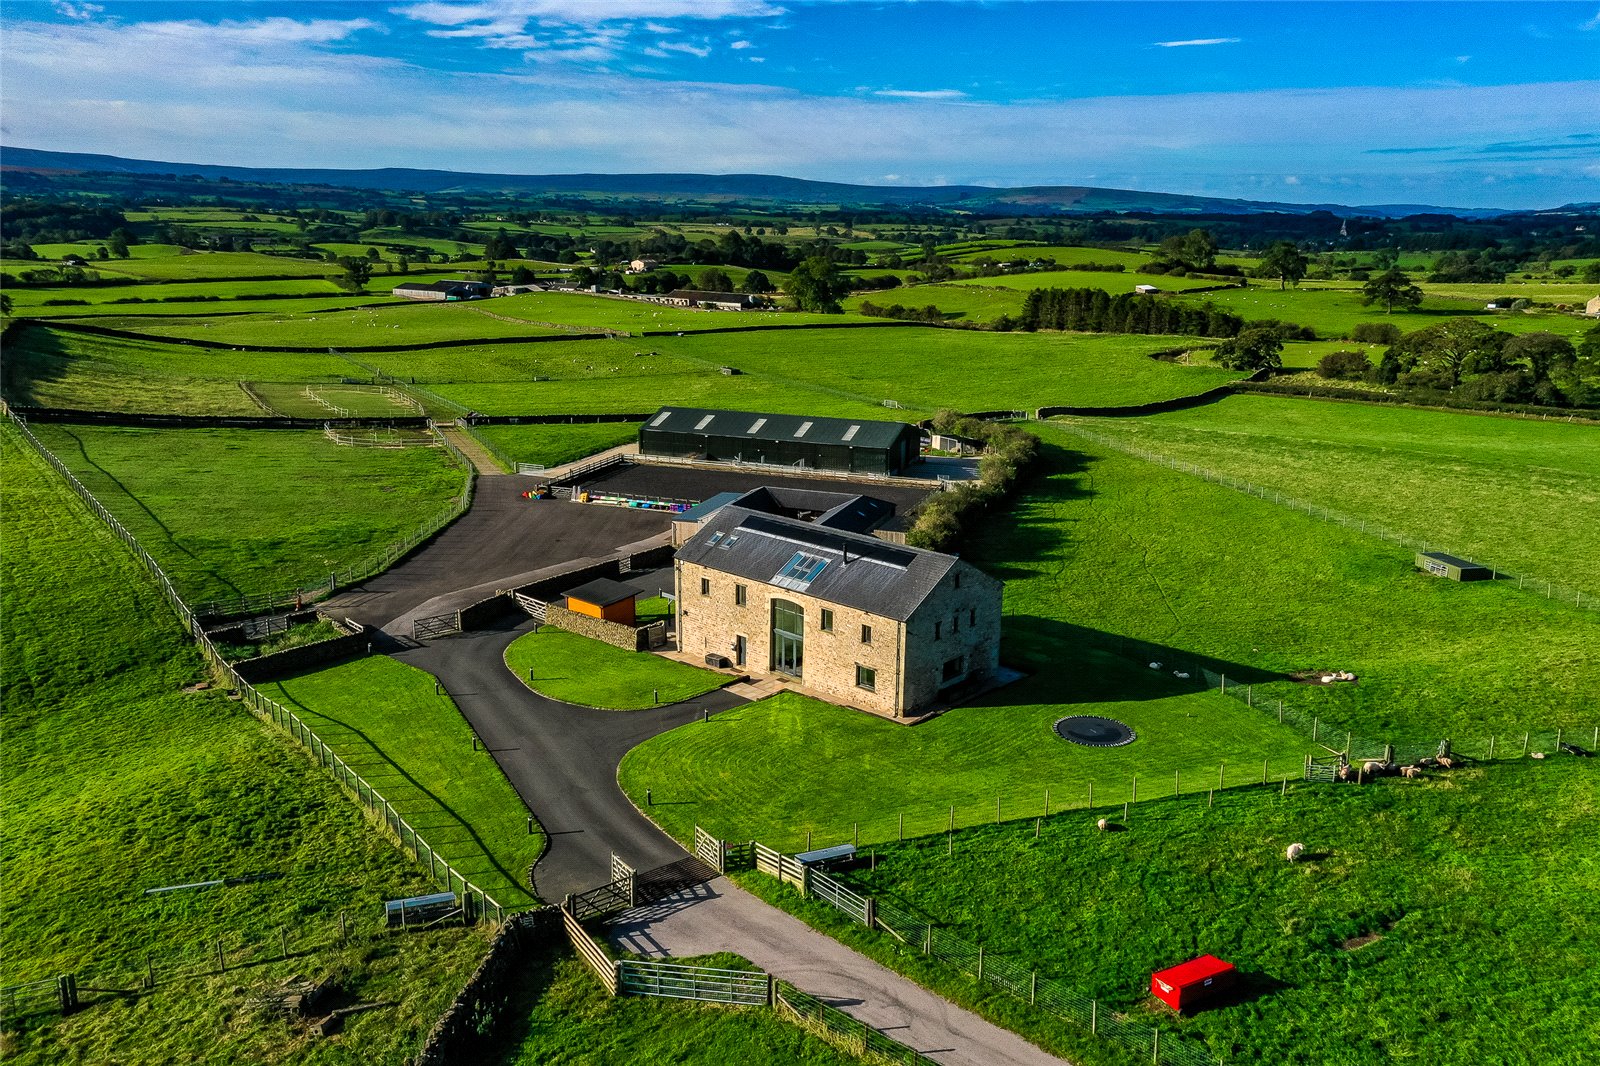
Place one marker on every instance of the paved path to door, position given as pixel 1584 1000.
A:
pixel 720 916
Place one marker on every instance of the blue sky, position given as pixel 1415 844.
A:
pixel 1462 104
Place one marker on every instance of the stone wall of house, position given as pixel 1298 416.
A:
pixel 707 624
pixel 959 619
pixel 614 633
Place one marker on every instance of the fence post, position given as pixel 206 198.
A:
pixel 1177 783
pixel 927 941
pixel 1155 1047
pixel 1094 1016
pixel 1047 801
pixel 1491 747
pixel 900 834
pixel 1263 771
pixel 1222 774
pixel 1033 988
pixel 222 966
pixel 980 962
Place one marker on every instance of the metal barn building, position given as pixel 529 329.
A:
pixel 842 444
pixel 1456 569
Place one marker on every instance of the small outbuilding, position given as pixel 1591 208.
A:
pixel 1195 984
pixel 604 598
pixel 1456 569
pixel 802 441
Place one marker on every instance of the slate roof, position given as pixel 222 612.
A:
pixel 701 296
pixel 441 286
pixel 858 571
pixel 603 592
pixel 754 425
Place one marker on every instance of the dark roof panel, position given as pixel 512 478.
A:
pixel 603 592
pixel 755 425
pixel 855 570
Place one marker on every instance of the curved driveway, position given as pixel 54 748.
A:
pixel 561 759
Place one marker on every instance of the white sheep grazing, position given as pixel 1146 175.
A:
pixel 1372 767
pixel 1410 771
pixel 1536 755
pixel 1447 762
pixel 1102 825
pixel 1294 851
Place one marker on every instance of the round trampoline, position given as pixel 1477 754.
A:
pixel 1095 732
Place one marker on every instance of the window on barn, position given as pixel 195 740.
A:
pixel 800 571
pixel 954 668
pixel 866 634
pixel 739 595
pixel 866 677
pixel 827 620
pixel 972 617
pixel 938 630
pixel 705 586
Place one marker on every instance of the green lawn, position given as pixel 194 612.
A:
pixel 1333 308
pixel 1111 564
pixel 231 511
pixel 1521 493
pixel 115 781
pixel 386 720
pixel 553 445
pixel 576 669
pixel 789 770
pixel 1112 282
pixel 565 1019
pixel 411 323
pixel 1481 888
pixel 56 368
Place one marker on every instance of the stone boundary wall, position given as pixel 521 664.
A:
pixel 613 633
pixel 130 418
pixel 480 614
pixel 293 660
pixel 71 326
pixel 458 1035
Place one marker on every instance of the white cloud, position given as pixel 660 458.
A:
pixel 738 45
pixel 1463 59
pixel 755 59
pixel 686 48
pixel 922 94
pixel 1198 42
pixel 77 12
pixel 516 14
pixel 281 92
pixel 1291 179
pixel 1592 24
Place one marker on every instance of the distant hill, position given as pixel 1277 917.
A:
pixel 751 188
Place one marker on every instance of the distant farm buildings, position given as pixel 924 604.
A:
pixel 641 266
pixel 443 290
pixel 716 301
pixel 839 444
pixel 849 617
pixel 1592 307
pixel 1146 290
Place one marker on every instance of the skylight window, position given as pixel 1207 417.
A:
pixel 800 571
pixel 850 433
pixel 804 426
pixel 704 422
pixel 660 418
pixel 756 428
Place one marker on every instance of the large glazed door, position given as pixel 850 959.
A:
pixel 788 637
pixel 739 649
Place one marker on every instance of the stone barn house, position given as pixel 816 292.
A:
pixel 849 617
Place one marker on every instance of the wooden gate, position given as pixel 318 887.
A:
pixel 709 849
pixel 439 625
pixel 602 964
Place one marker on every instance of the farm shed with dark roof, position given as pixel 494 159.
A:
pixel 1456 569
pixel 843 444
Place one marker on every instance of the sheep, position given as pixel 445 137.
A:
pixel 1294 851
pixel 1536 755
pixel 1446 762
pixel 1372 767
pixel 1102 825
pixel 1410 771
pixel 1155 666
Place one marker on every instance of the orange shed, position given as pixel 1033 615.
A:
pixel 1193 984
pixel 604 598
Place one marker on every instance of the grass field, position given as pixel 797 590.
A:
pixel 1112 563
pixel 557 444
pixel 231 511
pixel 1333 311
pixel 386 720
pixel 1479 891
pixel 789 770
pixel 1521 493
pixel 115 782
pixel 1085 279
pixel 565 1019
pixel 576 669
pixel 189 265
pixel 414 323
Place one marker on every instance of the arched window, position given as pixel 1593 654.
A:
pixel 788 637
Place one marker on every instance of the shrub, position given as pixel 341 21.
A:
pixel 1375 332
pixel 1344 366
pixel 1008 450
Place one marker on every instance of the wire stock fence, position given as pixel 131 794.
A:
pixel 268 709
pixel 220 952
pixel 1528 582
pixel 301 594
pixel 1016 979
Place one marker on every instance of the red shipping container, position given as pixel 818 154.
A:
pixel 1193 984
